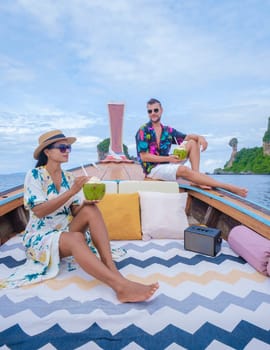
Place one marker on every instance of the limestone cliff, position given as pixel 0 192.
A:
pixel 266 140
pixel 233 143
pixel 254 160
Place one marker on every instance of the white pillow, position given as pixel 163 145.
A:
pixel 163 215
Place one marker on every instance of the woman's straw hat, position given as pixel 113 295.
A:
pixel 51 137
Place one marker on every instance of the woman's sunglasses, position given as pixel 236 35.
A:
pixel 150 111
pixel 62 147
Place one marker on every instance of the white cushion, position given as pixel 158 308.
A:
pixel 163 215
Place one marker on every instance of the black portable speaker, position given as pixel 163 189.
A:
pixel 201 239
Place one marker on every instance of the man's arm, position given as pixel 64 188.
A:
pixel 153 158
pixel 199 139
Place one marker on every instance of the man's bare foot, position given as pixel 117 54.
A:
pixel 204 187
pixel 133 292
pixel 240 191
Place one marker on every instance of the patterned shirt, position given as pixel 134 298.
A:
pixel 146 141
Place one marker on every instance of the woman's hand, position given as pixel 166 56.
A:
pixel 78 183
pixel 51 205
pixel 76 208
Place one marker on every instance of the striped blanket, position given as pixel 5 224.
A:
pixel 203 303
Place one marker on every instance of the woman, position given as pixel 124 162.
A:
pixel 59 219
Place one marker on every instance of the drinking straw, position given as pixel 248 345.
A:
pixel 85 172
pixel 175 139
pixel 94 164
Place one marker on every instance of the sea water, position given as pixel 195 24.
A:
pixel 8 181
pixel 258 185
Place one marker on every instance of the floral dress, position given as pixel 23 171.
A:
pixel 41 237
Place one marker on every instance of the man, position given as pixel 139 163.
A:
pixel 154 141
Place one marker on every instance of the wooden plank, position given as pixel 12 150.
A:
pixel 112 171
pixel 134 171
pixel 10 205
pixel 117 171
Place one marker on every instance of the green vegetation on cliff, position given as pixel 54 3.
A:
pixel 249 160
pixel 103 148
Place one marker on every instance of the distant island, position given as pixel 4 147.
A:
pixel 254 160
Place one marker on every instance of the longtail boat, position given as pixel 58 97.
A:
pixel 203 302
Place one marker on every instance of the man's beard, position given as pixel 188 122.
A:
pixel 156 120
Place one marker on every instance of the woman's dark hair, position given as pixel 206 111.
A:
pixel 42 159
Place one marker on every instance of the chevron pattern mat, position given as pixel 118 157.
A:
pixel 203 303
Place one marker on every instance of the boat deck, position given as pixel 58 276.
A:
pixel 113 171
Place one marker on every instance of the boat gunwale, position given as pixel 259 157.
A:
pixel 233 205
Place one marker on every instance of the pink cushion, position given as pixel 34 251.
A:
pixel 254 248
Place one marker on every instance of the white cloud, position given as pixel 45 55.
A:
pixel 12 70
pixel 119 43
pixel 213 163
pixel 64 61
pixel 47 13
pixel 86 142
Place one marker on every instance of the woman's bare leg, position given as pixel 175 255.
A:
pixel 89 217
pixel 73 243
pixel 202 179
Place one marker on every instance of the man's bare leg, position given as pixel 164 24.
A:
pixel 193 149
pixel 205 180
pixel 194 155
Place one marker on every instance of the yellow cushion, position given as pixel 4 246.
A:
pixel 121 213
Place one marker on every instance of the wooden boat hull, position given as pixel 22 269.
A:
pixel 221 209
pixel 214 208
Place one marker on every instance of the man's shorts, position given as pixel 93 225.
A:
pixel 166 172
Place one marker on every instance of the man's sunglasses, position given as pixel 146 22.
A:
pixel 150 111
pixel 62 147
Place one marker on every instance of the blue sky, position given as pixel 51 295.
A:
pixel 61 62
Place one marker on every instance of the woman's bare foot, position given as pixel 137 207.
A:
pixel 133 292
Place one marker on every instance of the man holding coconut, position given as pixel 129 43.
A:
pixel 154 141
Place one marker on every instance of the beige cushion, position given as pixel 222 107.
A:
pixel 157 186
pixel 163 215
pixel 121 213
pixel 111 186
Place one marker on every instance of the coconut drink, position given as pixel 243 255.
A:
pixel 180 151
pixel 94 189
